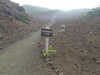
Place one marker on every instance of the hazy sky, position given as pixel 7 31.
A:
pixel 61 4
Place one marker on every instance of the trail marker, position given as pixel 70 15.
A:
pixel 63 26
pixel 47 32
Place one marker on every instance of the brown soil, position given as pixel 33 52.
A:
pixel 78 47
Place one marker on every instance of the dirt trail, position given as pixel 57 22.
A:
pixel 22 58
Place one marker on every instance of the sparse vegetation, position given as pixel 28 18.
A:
pixel 50 51
pixel 94 12
pixel 90 41
pixel 24 17
pixel 98 27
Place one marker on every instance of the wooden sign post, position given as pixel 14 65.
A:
pixel 47 32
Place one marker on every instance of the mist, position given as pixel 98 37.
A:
pixel 61 4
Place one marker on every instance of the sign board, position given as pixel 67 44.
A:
pixel 46 32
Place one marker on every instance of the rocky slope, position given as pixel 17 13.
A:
pixel 11 29
pixel 78 47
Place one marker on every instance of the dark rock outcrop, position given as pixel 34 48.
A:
pixel 21 8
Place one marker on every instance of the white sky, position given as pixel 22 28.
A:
pixel 61 4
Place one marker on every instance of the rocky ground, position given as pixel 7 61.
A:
pixel 78 47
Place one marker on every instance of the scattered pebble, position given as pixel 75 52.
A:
pixel 61 73
pixel 98 62
pixel 57 70
pixel 95 47
pixel 53 67
pixel 81 51
pixel 1 48
pixel 41 44
pixel 64 45
pixel 91 32
pixel 47 59
pixel 51 63
pixel 75 47
pixel 40 66
pixel 1 37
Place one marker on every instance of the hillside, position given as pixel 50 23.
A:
pixel 78 47
pixel 48 14
pixel 40 12
pixel 8 24
pixel 94 12
pixel 34 9
pixel 74 14
pixel 12 23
